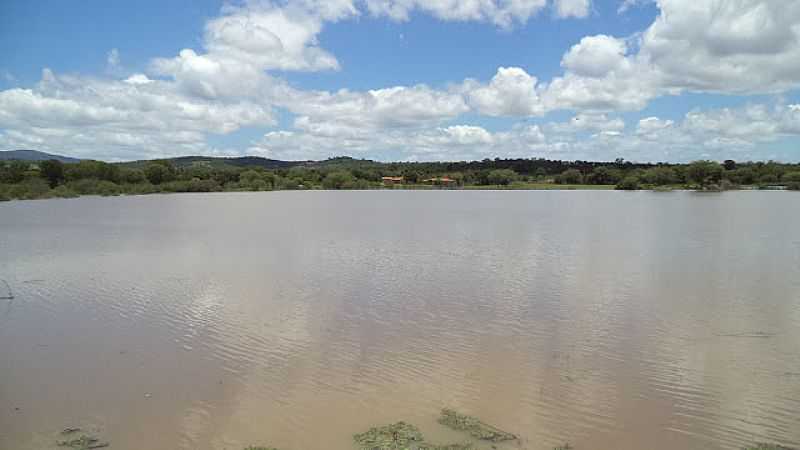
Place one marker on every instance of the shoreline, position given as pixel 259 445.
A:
pixel 496 188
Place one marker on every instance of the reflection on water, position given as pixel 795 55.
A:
pixel 611 320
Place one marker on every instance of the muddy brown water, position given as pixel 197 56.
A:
pixel 612 320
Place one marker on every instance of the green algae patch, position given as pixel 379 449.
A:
pixel 564 447
pixel 84 442
pixel 260 448
pixel 474 426
pixel 401 436
pixel 397 436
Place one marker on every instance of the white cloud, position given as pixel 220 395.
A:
pixel 716 134
pixel 596 123
pixel 393 107
pixel 572 8
pixel 728 47
pixel 119 119
pixel 276 37
pixel 626 5
pixel 731 47
pixel 596 56
pixel 138 78
pixel 503 13
pixel 511 92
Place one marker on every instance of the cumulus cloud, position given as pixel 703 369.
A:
pixel 503 13
pixel 393 107
pixel 119 119
pixel 626 5
pixel 727 47
pixel 234 81
pixel 572 8
pixel 715 134
pixel 511 92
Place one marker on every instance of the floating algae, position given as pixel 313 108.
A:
pixel 473 426
pixel 400 436
pixel 396 436
pixel 564 447
pixel 85 442
pixel 260 448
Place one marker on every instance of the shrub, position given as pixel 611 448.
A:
pixel 570 176
pixel 29 189
pixel 501 177
pixel 628 184
pixel 340 179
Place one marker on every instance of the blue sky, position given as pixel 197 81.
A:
pixel 658 80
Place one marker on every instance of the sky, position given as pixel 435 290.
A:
pixel 403 80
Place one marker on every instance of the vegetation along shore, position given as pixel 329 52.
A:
pixel 53 178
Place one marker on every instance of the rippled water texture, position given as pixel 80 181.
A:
pixel 612 320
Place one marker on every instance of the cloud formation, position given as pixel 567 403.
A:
pixel 235 80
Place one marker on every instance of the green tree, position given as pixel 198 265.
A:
pixel 53 171
pixel 133 176
pixel 13 172
pixel 570 176
pixel 501 177
pixel 629 183
pixel 339 179
pixel 792 180
pixel 742 175
pixel 157 173
pixel 704 173
pixel 604 175
pixel 98 170
pixel 660 176
pixel 252 179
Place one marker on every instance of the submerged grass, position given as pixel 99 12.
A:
pixel 473 426
pixel 84 442
pixel 401 436
pixel 397 436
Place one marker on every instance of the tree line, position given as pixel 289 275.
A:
pixel 46 179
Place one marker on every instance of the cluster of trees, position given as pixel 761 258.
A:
pixel 25 180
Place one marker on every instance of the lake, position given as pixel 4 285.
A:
pixel 611 320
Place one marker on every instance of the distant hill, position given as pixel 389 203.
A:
pixel 214 161
pixel 242 161
pixel 34 155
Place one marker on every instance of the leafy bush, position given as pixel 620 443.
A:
pixel 340 179
pixel 570 176
pixel 660 176
pixel 501 177
pixel 791 179
pixel 30 188
pixel 628 184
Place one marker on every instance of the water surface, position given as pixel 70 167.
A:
pixel 611 320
